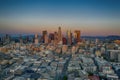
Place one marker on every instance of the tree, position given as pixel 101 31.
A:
pixel 90 74
pixel 65 78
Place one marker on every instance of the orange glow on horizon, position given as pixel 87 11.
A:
pixel 86 30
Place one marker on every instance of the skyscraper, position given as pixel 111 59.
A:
pixel 69 37
pixel 2 39
pixel 51 36
pixel 64 40
pixel 55 38
pixel 36 39
pixel 46 38
pixel 77 35
pixel 59 35
pixel 43 35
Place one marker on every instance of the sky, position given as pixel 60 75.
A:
pixel 91 17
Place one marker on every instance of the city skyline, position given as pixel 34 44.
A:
pixel 93 18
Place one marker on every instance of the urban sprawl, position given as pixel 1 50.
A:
pixel 55 56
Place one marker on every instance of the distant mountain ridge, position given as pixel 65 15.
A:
pixel 111 37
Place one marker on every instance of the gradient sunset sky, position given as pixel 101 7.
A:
pixel 92 17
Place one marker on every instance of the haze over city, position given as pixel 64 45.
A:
pixel 92 17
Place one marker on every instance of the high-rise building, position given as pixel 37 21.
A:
pixel 43 35
pixel 51 36
pixel 7 38
pixel 46 39
pixel 2 39
pixel 55 37
pixel 69 37
pixel 77 35
pixel 64 40
pixel 59 35
pixel 36 39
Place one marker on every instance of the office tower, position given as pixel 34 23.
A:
pixel 64 40
pixel 59 35
pixel 2 40
pixel 43 35
pixel 46 39
pixel 55 38
pixel 36 39
pixel 7 38
pixel 51 36
pixel 69 37
pixel 77 35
